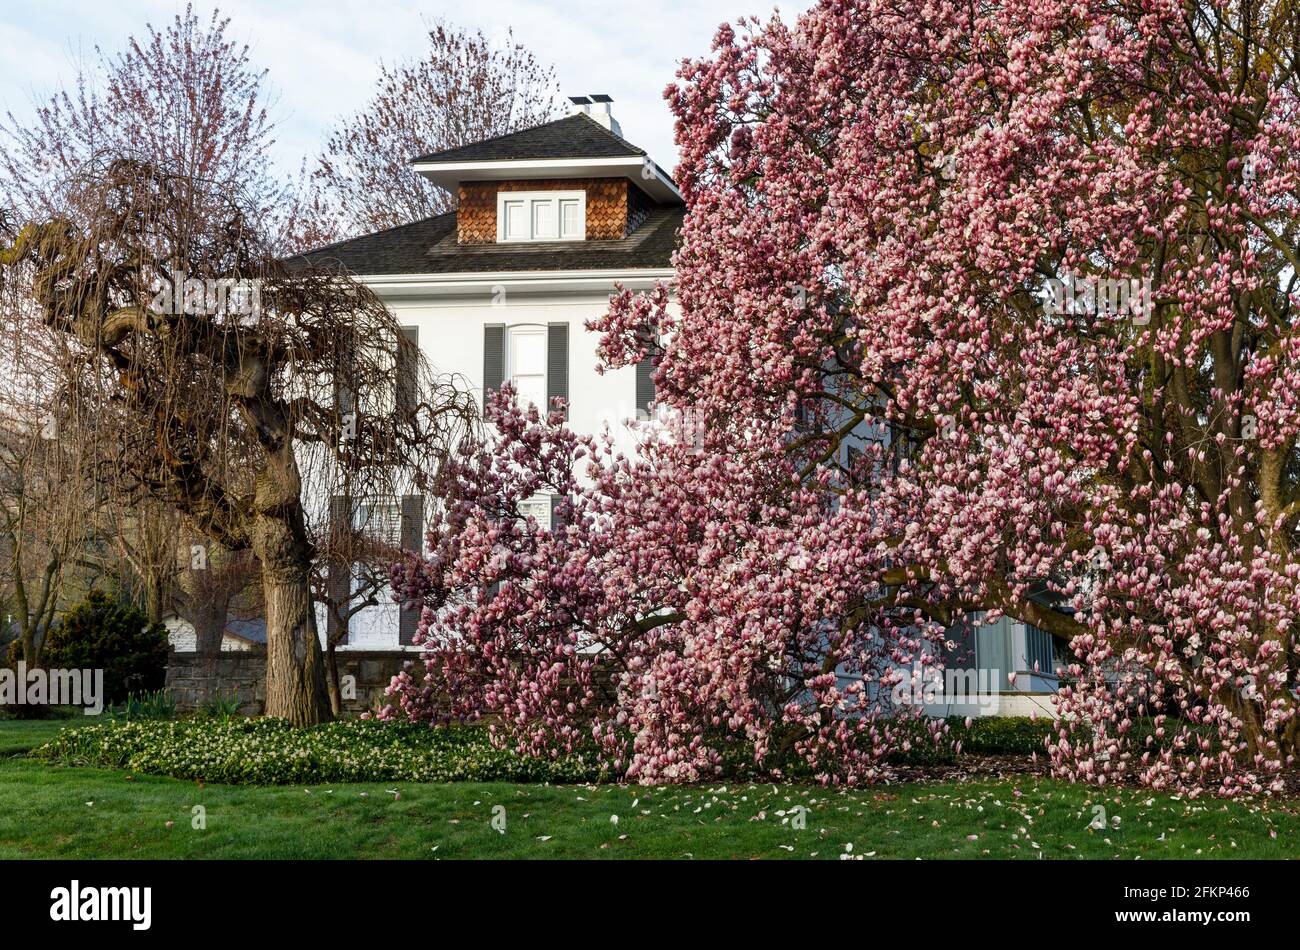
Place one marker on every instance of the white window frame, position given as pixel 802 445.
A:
pixel 512 370
pixel 390 511
pixel 539 507
pixel 530 200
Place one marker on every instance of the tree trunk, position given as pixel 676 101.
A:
pixel 332 677
pixel 295 666
pixel 32 638
pixel 209 631
pixel 32 642
pixel 154 600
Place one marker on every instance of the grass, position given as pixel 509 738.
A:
pixel 18 736
pixel 53 811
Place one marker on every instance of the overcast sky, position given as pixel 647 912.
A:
pixel 322 55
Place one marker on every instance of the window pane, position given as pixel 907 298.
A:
pixel 544 218
pixel 515 222
pixel 532 389
pixel 529 352
pixel 572 224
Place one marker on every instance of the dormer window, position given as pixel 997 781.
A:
pixel 541 216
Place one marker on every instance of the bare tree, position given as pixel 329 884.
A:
pixel 208 591
pixel 143 556
pixel 42 529
pixel 464 90
pixel 240 391
pixel 45 504
pixel 187 98
pixel 163 565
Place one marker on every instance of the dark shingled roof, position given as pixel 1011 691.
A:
pixel 430 247
pixel 576 136
pixel 252 630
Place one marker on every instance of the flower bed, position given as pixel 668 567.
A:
pixel 271 752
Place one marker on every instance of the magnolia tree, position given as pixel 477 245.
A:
pixel 1046 252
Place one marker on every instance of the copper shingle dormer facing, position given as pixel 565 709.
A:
pixel 572 179
pixel 614 207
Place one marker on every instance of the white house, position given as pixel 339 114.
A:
pixel 239 636
pixel 548 221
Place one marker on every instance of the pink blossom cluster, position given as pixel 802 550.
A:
pixel 683 608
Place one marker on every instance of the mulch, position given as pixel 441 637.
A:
pixel 974 768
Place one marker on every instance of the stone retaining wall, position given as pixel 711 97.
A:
pixel 192 679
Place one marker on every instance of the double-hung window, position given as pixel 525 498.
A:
pixel 381 522
pixel 539 508
pixel 541 216
pixel 532 358
pixel 527 365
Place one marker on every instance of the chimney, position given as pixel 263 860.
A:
pixel 597 106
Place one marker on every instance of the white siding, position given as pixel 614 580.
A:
pixel 451 339
pixel 180 635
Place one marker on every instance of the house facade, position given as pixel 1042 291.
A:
pixel 548 221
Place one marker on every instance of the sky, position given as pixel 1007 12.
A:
pixel 323 55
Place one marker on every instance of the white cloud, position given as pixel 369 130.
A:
pixel 322 56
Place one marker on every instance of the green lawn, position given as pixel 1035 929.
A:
pixel 68 812
pixel 20 735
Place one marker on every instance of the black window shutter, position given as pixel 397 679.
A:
pixel 339 581
pixel 494 359
pixel 557 364
pixel 412 534
pixel 557 514
pixel 408 368
pixel 645 387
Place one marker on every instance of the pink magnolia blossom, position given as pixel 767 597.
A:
pixel 887 202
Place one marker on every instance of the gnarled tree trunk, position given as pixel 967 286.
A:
pixel 295 665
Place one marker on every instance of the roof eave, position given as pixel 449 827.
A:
pixel 645 173
pixel 488 283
